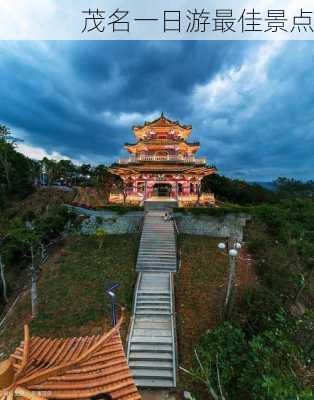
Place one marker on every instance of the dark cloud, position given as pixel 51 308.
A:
pixel 249 104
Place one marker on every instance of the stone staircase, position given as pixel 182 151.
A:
pixel 152 344
pixel 157 250
pixel 160 205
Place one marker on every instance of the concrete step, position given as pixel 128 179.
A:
pixel 145 292
pixel 157 250
pixel 153 299
pixel 153 308
pixel 157 259
pixel 154 383
pixel 155 318
pixel 158 236
pixel 148 266
pixel 161 348
pixel 145 356
pixel 157 245
pixel 160 364
pixel 152 325
pixel 136 339
pixel 152 332
pixel 155 266
pixel 148 300
pixel 160 264
pixel 157 253
pixel 156 269
pixel 153 313
pixel 155 282
pixel 161 307
pixel 141 302
pixel 160 256
pixel 158 232
pixel 148 373
pixel 166 231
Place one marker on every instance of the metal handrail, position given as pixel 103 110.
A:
pixel 176 226
pixel 131 325
pixel 176 240
pixel 174 332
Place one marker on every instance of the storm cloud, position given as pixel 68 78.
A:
pixel 250 103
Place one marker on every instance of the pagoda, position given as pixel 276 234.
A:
pixel 163 164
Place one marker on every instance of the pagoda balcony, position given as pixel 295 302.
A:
pixel 183 160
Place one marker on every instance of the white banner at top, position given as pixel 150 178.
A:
pixel 156 20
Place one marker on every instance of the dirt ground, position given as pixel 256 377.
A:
pixel 158 395
pixel 199 290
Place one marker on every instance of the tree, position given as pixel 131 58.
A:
pixel 16 170
pixel 287 187
pixel 101 172
pixel 85 169
pixel 124 186
pixel 237 191
pixel 29 238
pixel 3 255
pixel 6 146
pixel 65 169
pixel 101 236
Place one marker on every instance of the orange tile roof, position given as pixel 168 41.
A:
pixel 74 368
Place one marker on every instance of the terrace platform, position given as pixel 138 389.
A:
pixel 160 204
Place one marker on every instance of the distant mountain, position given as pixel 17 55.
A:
pixel 267 185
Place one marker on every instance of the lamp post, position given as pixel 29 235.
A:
pixel 231 248
pixel 112 296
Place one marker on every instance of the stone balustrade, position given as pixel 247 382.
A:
pixel 185 160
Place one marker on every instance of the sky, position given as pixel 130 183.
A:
pixel 251 103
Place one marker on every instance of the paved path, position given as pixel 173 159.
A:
pixel 152 344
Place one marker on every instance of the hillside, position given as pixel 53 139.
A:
pixel 38 202
pixel 71 289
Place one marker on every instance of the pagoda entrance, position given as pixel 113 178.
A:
pixel 162 190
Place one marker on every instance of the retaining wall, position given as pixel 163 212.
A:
pixel 230 225
pixel 112 222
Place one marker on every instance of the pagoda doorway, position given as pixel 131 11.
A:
pixel 162 190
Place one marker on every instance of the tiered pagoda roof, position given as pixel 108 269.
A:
pixel 151 145
pixel 162 147
pixel 74 368
pixel 162 132
pixel 162 124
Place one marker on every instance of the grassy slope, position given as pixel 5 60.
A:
pixel 71 289
pixel 36 204
pixel 199 291
pixel 39 201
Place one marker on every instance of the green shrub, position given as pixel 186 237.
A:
pixel 99 220
pixel 260 307
pixel 265 367
pixel 222 349
pixel 214 211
